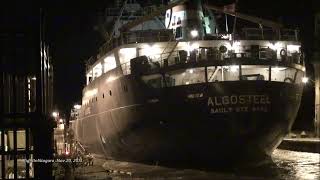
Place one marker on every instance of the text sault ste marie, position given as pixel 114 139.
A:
pixel 239 103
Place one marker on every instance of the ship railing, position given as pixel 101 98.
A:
pixel 213 54
pixel 208 54
pixel 268 34
pixel 131 38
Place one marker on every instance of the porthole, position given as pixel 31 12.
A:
pixel 96 98
pixel 110 93
pixel 103 95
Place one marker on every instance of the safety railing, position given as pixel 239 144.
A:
pixel 211 55
pixel 130 38
pixel 268 34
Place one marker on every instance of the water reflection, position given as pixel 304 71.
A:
pixel 284 165
pixel 297 165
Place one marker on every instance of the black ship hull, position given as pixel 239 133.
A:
pixel 234 121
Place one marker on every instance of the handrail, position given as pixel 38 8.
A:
pixel 196 56
pixel 161 61
pixel 166 35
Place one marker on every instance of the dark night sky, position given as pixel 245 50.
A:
pixel 73 40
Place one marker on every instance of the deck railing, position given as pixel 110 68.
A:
pixel 208 55
pixel 166 35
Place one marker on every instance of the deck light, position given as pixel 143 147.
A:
pixel 305 79
pixel 55 114
pixel 275 46
pixel 77 106
pixel 194 33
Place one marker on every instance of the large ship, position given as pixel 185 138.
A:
pixel 187 91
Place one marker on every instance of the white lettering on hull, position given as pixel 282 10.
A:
pixel 239 103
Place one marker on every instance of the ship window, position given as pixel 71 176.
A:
pixel 179 32
pixel 110 93
pixel 214 74
pixel 254 72
pixel 154 80
pixel 103 95
pixel 96 98
pixel 179 21
pixel 186 76
pixel 223 73
pixel 285 74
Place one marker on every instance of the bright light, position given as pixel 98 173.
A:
pixel 190 71
pixel 55 114
pixel 60 120
pixel 305 79
pixel 275 46
pixel 303 69
pixel 34 78
pixel 234 68
pixel 194 33
pixel 151 51
pixel 77 106
pixel 187 82
pixel 293 48
pixel 67 152
pixel 236 46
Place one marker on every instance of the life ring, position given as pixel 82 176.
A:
pixel 223 49
pixel 283 52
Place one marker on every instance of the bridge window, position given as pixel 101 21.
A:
pixel 254 72
pixel 154 80
pixel 285 74
pixel 186 76
pixel 109 63
pixel 223 73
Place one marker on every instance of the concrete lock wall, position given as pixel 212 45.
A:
pixel 317 98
